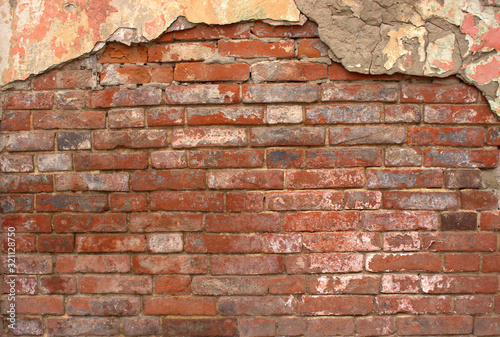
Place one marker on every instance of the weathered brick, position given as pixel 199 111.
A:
pixel 27 142
pixel 168 159
pixel 280 93
pixel 276 136
pixel 320 221
pixel 134 326
pixel 400 284
pixel 167 180
pixel 107 243
pixel 305 201
pixel 256 48
pixel 338 72
pixel 77 326
pixel 311 48
pixel 55 243
pixel 125 97
pixel 195 327
pixel 165 243
pixel 30 264
pixel 120 53
pixel 180 306
pixel 341 242
pixel 246 265
pixel 284 114
pixel 394 178
pixel 401 242
pixel 459 114
pixel 240 30
pixel 258 326
pixel 375 326
pixel 58 284
pixel 343 157
pixel 16 163
pixel 25 285
pixel 473 305
pixel 15 121
pixel 407 113
pixel 186 201
pixel 308 29
pixel 90 284
pixel 315 179
pixel 456 284
pixel 25 183
pixel 257 306
pixel 126 75
pixel 92 182
pixel 71 120
pixel 103 306
pixel 55 162
pixel 324 263
pixel 184 51
pixel 28 326
pixel 484 158
pixel 82 223
pixel 111 161
pixel 428 262
pixel 238 179
pixel 493 136
pixel 222 243
pixel 163 116
pixel 70 100
pixel 416 305
pixel 229 285
pixel 478 200
pixel 173 285
pixel 446 136
pixel 165 222
pixel 225 116
pixel 403 157
pixel 293 71
pixel 23 243
pixel 462 178
pixel 400 220
pixel 74 141
pixel 130 139
pixel 487 326
pixel 266 222
pixel 353 135
pixel 339 114
pixel 363 199
pixel 287 284
pixel 125 118
pixel 454 263
pixel 490 221
pixel 226 159
pixel 214 72
pixel 92 263
pixel 453 221
pixel 71 202
pixel 439 201
pixel 344 284
pixel 281 243
pixel 438 93
pixel 333 92
pixel 285 158
pixel 14 203
pixel 28 101
pixel 310 305
pixel 46 305
pixel 485 242
pixel 203 94
pixel 128 202
pixel 189 138
pixel 244 202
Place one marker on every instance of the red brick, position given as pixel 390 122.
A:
pixel 491 263
pixel 202 137
pixel 285 158
pixel 245 222
pixel 120 53
pixel 304 201
pixel 55 243
pixel 324 263
pixel 28 326
pixel 338 178
pixel 167 180
pixel 15 203
pixel 27 142
pixel 126 75
pixel 257 306
pixel 246 265
pixel 459 221
pixel 402 113
pixel 344 284
pixel 70 100
pixel 416 305
pixel 333 92
pixel 363 199
pixel 26 223
pixel 25 183
pixel 107 140
pixel 186 201
pixel 163 116
pixel 400 283
pixel 229 285
pixel 58 284
pixel 222 243
pixel 287 136
pixel 282 243
pixel 479 200
pixel 75 326
pixel 180 306
pixel 487 326
pixel 226 159
pixel 225 116
pixel 134 326
pixel 375 326
pixel 311 48
pixel 342 242
pixel 58 79
pixel 400 220
pixel 320 221
pixel 415 178
pixel 92 263
pixel 15 121
pixel 373 135
pixel 103 306
pixel 173 285
pixel 256 48
pixel 293 71
pixel 39 305
pixel 335 305
pixel 429 262
pixel 459 114
pixel 70 223
pixel 125 97
pixel 258 326
pixel 493 136
pixel 446 136
pixel 166 37
pixel 280 93
pixel 287 284
pixel 168 159
pixel 398 242
pixel 28 101
pixel 169 264
pixel 92 182
pixel 484 158
pixel 128 202
pixel 30 264
pixel 126 118
pixel 110 161
pixel 71 202
pixel 178 52
pixel 438 93
pixel 456 263
pixel 16 163
pixel 296 326
pixel 214 72
pixel 244 202
pixel 490 221
pixel 337 72
pixel 165 222
pixel 109 243
pixel 238 179
pixel 239 30
pixel 308 29
pixel 115 284
pixel 340 114
pixel 463 178
pixel 438 201
pixel 203 94
pixel 25 285
pixel 23 243
pixel 447 284
pixel 199 327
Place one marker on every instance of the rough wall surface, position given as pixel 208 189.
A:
pixel 154 192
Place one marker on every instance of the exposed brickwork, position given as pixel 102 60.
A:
pixel 266 195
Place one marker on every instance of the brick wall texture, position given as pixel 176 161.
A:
pixel 228 181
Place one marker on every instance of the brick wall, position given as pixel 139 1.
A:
pixel 227 181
